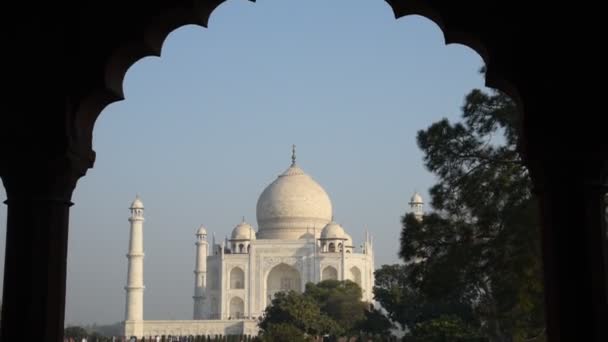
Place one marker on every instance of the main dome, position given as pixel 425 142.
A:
pixel 291 206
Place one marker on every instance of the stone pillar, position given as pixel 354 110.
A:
pixel 343 274
pixel 572 203
pixel 38 200
pixel 249 281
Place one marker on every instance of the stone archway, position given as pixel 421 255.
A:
pixel 329 273
pixel 237 278
pixel 44 168
pixel 282 277
pixel 355 275
pixel 237 308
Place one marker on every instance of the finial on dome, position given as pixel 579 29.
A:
pixel 293 155
pixel 243 219
pixel 137 203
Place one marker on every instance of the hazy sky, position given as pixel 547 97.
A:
pixel 208 125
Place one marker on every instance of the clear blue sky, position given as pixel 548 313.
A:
pixel 208 125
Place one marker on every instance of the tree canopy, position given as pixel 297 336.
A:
pixel 479 246
pixel 340 300
pixel 407 306
pixel 299 311
pixel 330 307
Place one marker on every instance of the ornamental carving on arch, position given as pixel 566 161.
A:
pixel 270 262
pixel 324 265
pixel 231 266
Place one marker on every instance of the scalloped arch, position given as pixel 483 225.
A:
pixel 453 34
pixel 152 36
pixel 148 43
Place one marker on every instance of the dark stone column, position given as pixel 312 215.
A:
pixel 572 201
pixel 38 200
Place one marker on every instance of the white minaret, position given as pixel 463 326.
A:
pixel 134 313
pixel 200 273
pixel 416 205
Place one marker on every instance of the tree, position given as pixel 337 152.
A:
pixel 480 246
pixel 445 328
pixel 282 332
pixel 75 332
pixel 407 305
pixel 375 324
pixel 391 291
pixel 299 311
pixel 330 307
pixel 339 300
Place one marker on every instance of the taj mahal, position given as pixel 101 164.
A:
pixel 235 280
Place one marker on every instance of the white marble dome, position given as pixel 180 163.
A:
pixel 137 203
pixel 201 231
pixel 416 199
pixel 291 206
pixel 333 231
pixel 243 231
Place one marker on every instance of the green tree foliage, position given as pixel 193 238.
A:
pixel 375 324
pixel 445 328
pixel 330 307
pixel 283 332
pixel 393 293
pixel 406 305
pixel 75 332
pixel 339 300
pixel 299 311
pixel 480 246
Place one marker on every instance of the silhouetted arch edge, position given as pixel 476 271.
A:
pixel 177 14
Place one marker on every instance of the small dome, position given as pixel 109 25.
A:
pixel 243 231
pixel 333 231
pixel 137 203
pixel 416 199
pixel 201 231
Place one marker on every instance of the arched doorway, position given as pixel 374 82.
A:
pixel 329 273
pixel 237 308
pixel 237 278
pixel 355 275
pixel 282 278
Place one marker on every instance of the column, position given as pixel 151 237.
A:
pixel 38 206
pixel 574 243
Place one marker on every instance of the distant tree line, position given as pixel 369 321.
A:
pixel 77 334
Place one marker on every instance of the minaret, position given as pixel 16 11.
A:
pixel 200 273
pixel 416 206
pixel 372 264
pixel 134 313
